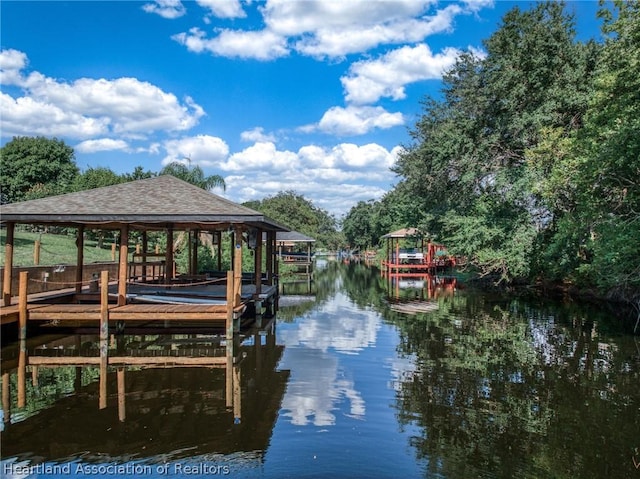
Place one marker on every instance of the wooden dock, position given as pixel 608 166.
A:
pixel 71 309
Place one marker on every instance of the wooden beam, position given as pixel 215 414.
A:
pixel 270 256
pixel 8 265
pixel 79 257
pixel 237 265
pixel 258 262
pixel 56 361
pixel 22 374
pixel 219 243
pixel 123 266
pixel 229 312
pixel 23 312
pixel 122 406
pixel 104 304
pixel 145 247
pixel 168 274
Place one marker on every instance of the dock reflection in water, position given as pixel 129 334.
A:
pixel 152 398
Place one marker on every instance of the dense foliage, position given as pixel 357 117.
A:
pixel 299 214
pixel 35 167
pixel 529 162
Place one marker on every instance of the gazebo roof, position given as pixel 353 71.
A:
pixel 293 237
pixel 404 233
pixel 154 203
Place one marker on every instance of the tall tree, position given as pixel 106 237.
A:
pixel 608 153
pixel 194 175
pixel 96 178
pixel 35 167
pixel 299 214
pixel 468 165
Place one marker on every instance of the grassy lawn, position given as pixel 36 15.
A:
pixel 54 249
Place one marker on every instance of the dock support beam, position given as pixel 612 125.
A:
pixel 79 257
pixel 8 265
pixel 123 265
pixel 23 312
pixel 104 335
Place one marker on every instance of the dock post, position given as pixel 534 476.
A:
pixel 122 409
pixel 8 265
pixel 229 341
pixel 6 396
pixel 230 305
pixel 104 305
pixel 22 374
pixel 104 336
pixel 23 311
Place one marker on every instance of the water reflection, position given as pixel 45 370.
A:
pixel 480 385
pixel 154 397
pixel 508 387
pixel 318 383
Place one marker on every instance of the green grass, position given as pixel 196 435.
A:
pixel 54 249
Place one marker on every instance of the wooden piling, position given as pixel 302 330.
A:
pixel 6 396
pixel 123 265
pixel 122 410
pixel 36 252
pixel 230 305
pixel 104 305
pixel 8 265
pixel 23 312
pixel 104 337
pixel 79 258
pixel 22 374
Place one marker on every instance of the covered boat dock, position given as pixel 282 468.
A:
pixel 146 287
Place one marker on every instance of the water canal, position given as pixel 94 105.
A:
pixel 357 377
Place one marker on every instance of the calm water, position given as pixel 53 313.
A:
pixel 356 377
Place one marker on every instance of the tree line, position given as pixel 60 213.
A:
pixel 37 167
pixel 528 163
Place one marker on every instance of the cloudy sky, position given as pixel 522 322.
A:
pixel 314 96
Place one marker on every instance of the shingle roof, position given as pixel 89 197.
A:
pixel 154 201
pixel 404 233
pixel 293 237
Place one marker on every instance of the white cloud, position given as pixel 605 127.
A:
pixel 257 134
pixel 27 116
pixel 223 8
pixel 261 155
pixel 361 37
pixel 347 156
pixel 332 178
pixel 166 8
pixel 12 62
pixel 370 80
pixel 325 29
pixel 259 45
pixel 89 107
pixel 102 144
pixel 356 120
pixel 295 18
pixel 203 150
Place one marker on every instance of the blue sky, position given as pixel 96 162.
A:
pixel 314 96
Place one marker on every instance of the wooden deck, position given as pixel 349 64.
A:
pixel 90 313
pixel 195 304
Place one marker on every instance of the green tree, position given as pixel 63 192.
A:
pixel 299 214
pixel 96 178
pixel 607 150
pixel 139 174
pixel 35 167
pixel 358 226
pixel 468 168
pixel 194 175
